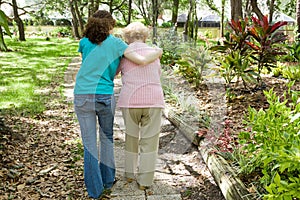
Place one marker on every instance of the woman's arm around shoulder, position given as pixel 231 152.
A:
pixel 142 60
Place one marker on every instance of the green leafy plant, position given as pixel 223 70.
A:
pixel 193 63
pixel 235 54
pixel 266 42
pixel 170 42
pixel 4 24
pixel 293 54
pixel 292 72
pixel 272 146
pixel 249 48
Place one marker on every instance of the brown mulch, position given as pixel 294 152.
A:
pixel 41 156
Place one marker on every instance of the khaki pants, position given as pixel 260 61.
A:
pixel 141 146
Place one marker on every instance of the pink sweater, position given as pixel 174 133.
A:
pixel 141 84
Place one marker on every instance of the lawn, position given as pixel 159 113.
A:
pixel 30 69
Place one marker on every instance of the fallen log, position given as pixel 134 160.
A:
pixel 227 180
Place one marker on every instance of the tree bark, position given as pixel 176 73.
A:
pixel 18 21
pixel 236 9
pixel 298 19
pixel 154 20
pixel 256 10
pixel 272 2
pixel 92 7
pixel 75 23
pixel 225 177
pixel 247 8
pixel 187 25
pixel 175 12
pixel 79 19
pixel 222 18
pixel 129 11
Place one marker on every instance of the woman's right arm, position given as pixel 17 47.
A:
pixel 142 60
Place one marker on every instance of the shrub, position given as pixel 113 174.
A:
pixel 62 32
pixel 192 64
pixel 272 146
pixel 249 48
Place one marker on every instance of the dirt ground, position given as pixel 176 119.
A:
pixel 41 158
pixel 31 147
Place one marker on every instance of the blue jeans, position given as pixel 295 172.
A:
pixel 99 170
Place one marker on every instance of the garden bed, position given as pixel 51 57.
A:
pixel 208 118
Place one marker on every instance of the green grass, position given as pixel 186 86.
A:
pixel 30 70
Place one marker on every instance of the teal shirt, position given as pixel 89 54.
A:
pixel 99 65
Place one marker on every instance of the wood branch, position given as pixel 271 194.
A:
pixel 49 169
pixel 256 10
pixel 227 180
pixel 189 131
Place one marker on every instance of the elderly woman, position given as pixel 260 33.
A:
pixel 141 101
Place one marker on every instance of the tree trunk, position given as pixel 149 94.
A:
pixel 225 177
pixel 247 8
pixel 298 19
pixel 236 9
pixel 143 11
pixel 111 6
pixel 175 12
pixel 222 18
pixel 272 2
pixel 154 20
pixel 129 12
pixel 195 23
pixel 92 7
pixel 18 21
pixel 79 19
pixel 187 25
pixel 74 19
pixel 256 10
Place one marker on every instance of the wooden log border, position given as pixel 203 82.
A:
pixel 227 180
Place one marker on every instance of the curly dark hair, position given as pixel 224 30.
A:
pixel 98 26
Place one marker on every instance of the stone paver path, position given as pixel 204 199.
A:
pixel 179 165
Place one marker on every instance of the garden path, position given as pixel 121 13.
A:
pixel 181 172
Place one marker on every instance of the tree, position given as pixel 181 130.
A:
pixel 19 21
pixel 298 18
pixel 175 12
pixel 222 17
pixel 143 6
pixel 129 11
pixel 154 19
pixel 256 10
pixel 92 7
pixel 75 18
pixel 271 10
pixel 191 24
pixel 212 6
pixel 236 9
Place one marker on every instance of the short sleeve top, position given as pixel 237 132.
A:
pixel 99 65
